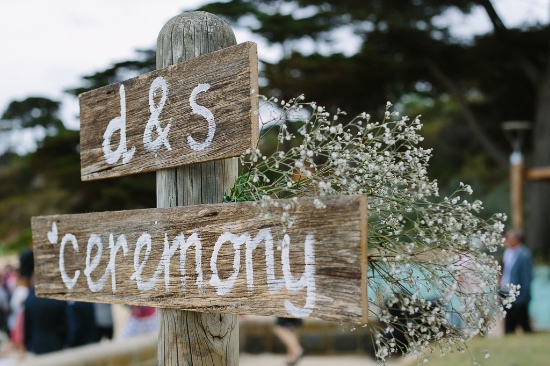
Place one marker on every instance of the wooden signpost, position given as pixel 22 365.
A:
pixel 187 121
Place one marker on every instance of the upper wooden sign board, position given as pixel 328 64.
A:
pixel 225 258
pixel 200 110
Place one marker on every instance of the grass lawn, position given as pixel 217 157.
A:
pixel 513 350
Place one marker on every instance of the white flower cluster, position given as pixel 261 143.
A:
pixel 432 281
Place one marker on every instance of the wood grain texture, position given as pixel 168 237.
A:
pixel 232 74
pixel 197 347
pixel 193 338
pixel 332 282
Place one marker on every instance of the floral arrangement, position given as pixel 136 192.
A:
pixel 432 281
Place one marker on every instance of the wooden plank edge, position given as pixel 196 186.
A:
pixel 363 207
pixel 217 309
pixel 254 91
pixel 246 44
pixel 115 173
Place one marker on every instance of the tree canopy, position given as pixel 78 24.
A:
pixel 47 181
pixel 463 88
pixel 408 53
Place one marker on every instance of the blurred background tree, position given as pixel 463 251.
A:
pixel 464 88
pixel 47 181
pixel 351 54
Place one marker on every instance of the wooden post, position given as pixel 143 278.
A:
pixel 192 338
pixel 516 190
pixel 540 173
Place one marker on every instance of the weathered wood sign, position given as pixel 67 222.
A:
pixel 200 110
pixel 225 258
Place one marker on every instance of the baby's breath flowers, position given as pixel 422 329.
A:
pixel 433 283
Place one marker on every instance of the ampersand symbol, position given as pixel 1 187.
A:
pixel 153 123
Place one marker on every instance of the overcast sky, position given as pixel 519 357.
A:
pixel 47 46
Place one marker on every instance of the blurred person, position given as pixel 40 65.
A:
pixel 16 320
pixel 20 292
pixel 81 325
pixel 16 314
pixel 17 300
pixel 9 278
pixel 4 309
pixel 518 270
pixel 45 324
pixel 142 320
pixel 286 329
pixel 104 321
pixel 44 321
pixel 26 263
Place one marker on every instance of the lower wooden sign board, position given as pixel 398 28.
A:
pixel 225 258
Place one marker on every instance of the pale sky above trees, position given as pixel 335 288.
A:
pixel 49 46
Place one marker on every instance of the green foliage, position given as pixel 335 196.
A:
pixel 30 115
pixel 118 72
pixel 403 46
pixel 32 112
pixel 47 181
pixel 275 25
pixel 21 242
pixel 464 89
pixel 403 43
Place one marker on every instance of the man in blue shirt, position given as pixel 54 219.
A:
pixel 517 270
